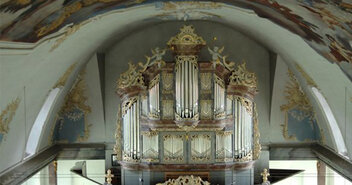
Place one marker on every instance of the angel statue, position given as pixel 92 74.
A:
pixel 157 57
pixel 217 58
pixel 216 54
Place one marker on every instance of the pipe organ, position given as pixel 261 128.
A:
pixel 187 112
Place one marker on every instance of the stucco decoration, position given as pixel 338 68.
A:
pixel 184 10
pixel 6 117
pixel 300 122
pixel 63 79
pixel 71 125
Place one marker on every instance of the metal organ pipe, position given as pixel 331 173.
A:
pixel 186 86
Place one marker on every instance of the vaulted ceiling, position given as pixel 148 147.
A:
pixel 325 25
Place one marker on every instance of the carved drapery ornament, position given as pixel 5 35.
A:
pixel 185 180
pixel 7 115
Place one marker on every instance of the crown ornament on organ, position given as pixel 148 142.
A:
pixel 186 42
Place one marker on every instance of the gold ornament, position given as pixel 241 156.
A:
pixel 7 115
pixel 257 146
pixel 131 77
pixel 241 76
pixel 185 180
pixel 186 37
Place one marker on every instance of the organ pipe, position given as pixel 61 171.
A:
pixel 186 86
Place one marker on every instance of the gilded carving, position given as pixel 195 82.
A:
pixel 219 81
pixel 150 133
pixel 7 115
pixel 206 109
pixel 167 82
pixel 205 82
pixel 156 58
pixel 185 180
pixel 245 103
pixel 241 76
pixel 186 37
pixel 131 77
pixel 257 146
pixel 155 81
pixel 224 133
pixel 63 79
pixel 127 158
pixel 127 104
pixel 246 158
pixel 168 109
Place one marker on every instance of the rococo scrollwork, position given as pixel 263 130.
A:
pixel 185 180
pixel 187 111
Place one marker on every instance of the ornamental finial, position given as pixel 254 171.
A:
pixel 109 177
pixel 265 175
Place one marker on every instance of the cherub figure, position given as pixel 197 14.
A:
pixel 217 58
pixel 216 54
pixel 157 57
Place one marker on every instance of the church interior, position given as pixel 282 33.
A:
pixel 145 92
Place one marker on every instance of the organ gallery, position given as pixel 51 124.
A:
pixel 187 118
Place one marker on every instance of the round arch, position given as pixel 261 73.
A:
pixel 80 42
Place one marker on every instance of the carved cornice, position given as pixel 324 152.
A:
pixel 7 115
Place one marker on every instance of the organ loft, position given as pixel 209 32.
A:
pixel 187 119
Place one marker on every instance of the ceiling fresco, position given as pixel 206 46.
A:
pixel 325 25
